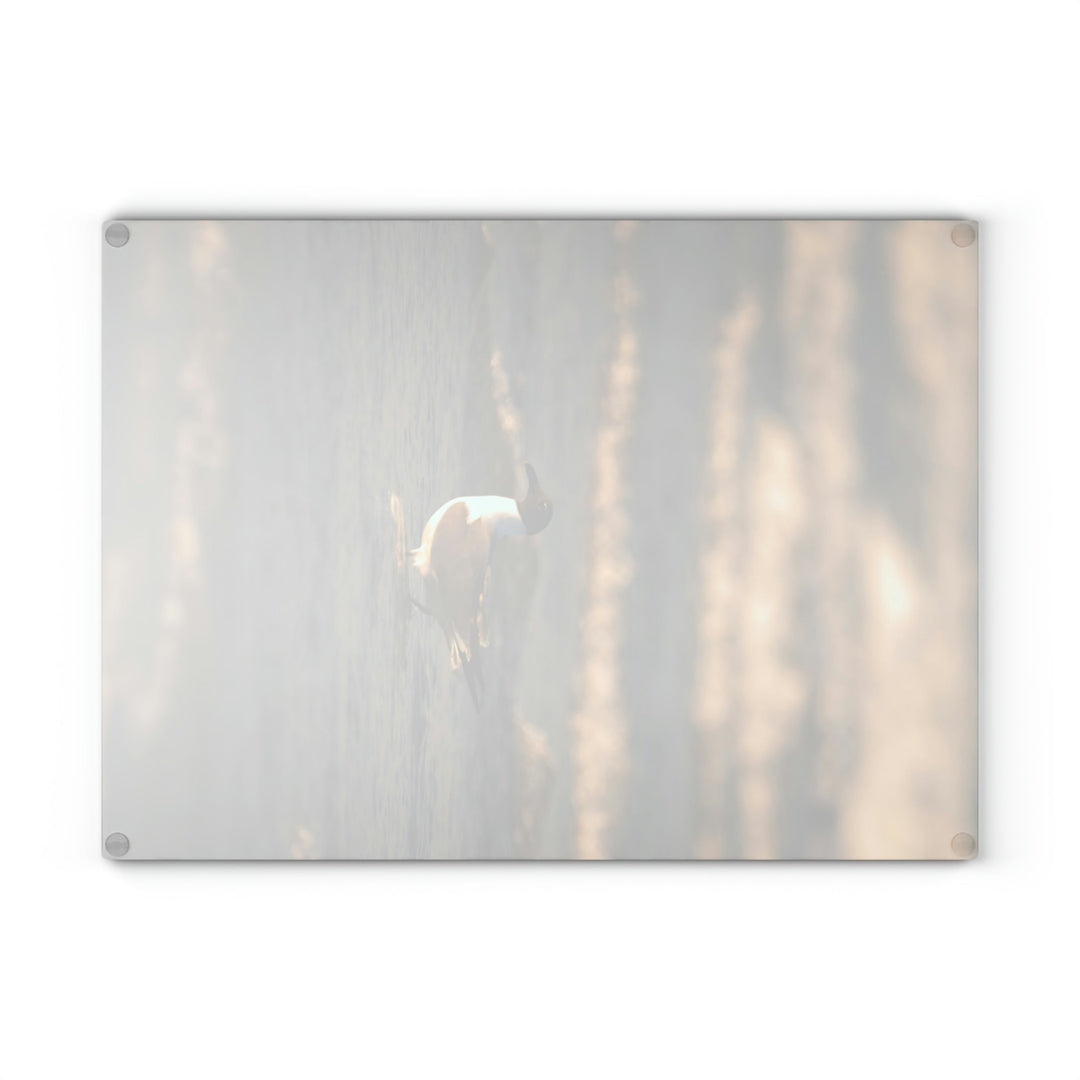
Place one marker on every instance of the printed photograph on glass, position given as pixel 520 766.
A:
pixel 540 540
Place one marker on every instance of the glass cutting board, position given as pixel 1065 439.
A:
pixel 540 540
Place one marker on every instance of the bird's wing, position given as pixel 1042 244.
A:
pixel 460 550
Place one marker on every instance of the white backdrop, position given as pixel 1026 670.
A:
pixel 772 970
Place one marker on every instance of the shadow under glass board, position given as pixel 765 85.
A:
pixel 540 539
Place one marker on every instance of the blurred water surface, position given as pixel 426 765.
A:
pixel 750 630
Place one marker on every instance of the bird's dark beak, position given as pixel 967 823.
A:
pixel 530 472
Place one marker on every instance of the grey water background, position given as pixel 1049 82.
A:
pixel 284 405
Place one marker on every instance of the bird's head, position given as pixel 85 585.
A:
pixel 535 509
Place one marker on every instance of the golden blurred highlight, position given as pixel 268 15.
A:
pixel 536 771
pixel 818 306
pixel 772 688
pixel 200 447
pixel 599 725
pixel 505 409
pixel 714 689
pixel 919 710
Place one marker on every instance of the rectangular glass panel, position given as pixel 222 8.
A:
pixel 729 610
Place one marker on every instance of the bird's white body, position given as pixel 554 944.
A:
pixel 497 516
pixel 454 560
